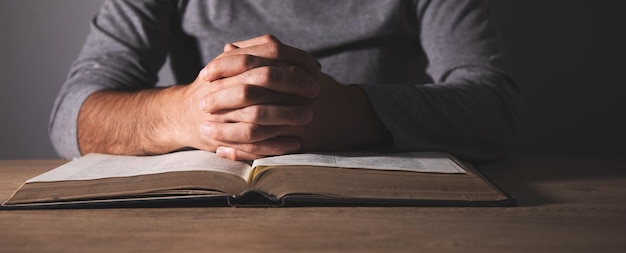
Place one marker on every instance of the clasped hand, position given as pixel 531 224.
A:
pixel 262 97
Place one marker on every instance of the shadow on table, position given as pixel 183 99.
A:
pixel 519 177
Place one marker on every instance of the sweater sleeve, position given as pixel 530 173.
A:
pixel 471 108
pixel 126 46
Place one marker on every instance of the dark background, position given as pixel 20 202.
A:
pixel 568 57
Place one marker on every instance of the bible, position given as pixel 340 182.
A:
pixel 416 178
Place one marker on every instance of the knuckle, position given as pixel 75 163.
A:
pixel 252 132
pixel 258 76
pixel 246 114
pixel 256 132
pixel 265 75
pixel 217 85
pixel 273 50
pixel 212 67
pixel 270 38
pixel 216 133
pixel 247 93
pixel 209 102
pixel 247 61
pixel 252 113
pixel 244 134
pixel 242 93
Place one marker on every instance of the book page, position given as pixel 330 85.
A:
pixel 432 162
pixel 97 166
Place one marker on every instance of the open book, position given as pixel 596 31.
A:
pixel 297 179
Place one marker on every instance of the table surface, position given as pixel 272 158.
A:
pixel 563 206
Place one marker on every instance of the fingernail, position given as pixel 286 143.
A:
pixel 206 129
pixel 221 152
pixel 204 74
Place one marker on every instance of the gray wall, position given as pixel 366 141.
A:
pixel 39 40
pixel 569 57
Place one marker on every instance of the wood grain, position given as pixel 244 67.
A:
pixel 564 206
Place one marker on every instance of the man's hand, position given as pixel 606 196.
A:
pixel 342 117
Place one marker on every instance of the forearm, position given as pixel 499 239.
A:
pixel 130 123
pixel 473 116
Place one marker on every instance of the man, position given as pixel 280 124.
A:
pixel 338 75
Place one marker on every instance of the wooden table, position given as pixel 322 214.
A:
pixel 564 206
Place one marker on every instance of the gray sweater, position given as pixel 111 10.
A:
pixel 432 70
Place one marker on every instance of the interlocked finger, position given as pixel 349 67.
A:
pixel 266 115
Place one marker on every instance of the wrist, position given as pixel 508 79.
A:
pixel 161 130
pixel 368 131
